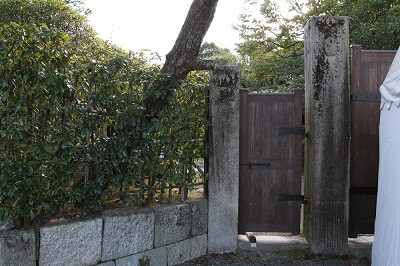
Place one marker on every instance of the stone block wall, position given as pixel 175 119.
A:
pixel 157 235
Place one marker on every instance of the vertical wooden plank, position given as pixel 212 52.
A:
pixel 373 128
pixel 250 130
pixel 266 128
pixel 250 195
pixel 370 139
pixel 355 87
pixel 256 195
pixel 273 141
pixel 272 196
pixel 282 122
pixel 242 199
pixel 372 78
pixel 256 192
pixel 290 123
pixel 242 159
pixel 355 67
pixel 362 129
pixel 282 189
pixel 359 130
pixel 258 121
pixel 265 184
pixel 243 126
pixel 297 158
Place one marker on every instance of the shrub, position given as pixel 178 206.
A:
pixel 81 120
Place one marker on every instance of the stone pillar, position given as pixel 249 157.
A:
pixel 223 183
pixel 327 157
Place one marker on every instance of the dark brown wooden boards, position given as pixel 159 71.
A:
pixel 270 161
pixel 368 71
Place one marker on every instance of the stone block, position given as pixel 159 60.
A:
pixel 199 211
pixel 18 248
pixel 77 243
pixel 6 225
pixel 186 250
pixel 172 224
pixel 156 257
pixel 127 232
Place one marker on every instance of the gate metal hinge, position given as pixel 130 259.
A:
pixel 293 130
pixel 366 96
pixel 292 197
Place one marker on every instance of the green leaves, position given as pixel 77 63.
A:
pixel 81 119
pixel 220 56
pixel 30 170
pixel 66 144
pixel 271 47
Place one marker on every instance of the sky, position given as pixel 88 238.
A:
pixel 155 24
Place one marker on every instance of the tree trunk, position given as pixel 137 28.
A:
pixel 183 57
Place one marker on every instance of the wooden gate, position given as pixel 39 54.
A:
pixel 270 162
pixel 368 71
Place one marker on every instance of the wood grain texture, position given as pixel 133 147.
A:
pixel 275 162
pixel 369 69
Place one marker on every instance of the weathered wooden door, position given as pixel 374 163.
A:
pixel 368 71
pixel 270 162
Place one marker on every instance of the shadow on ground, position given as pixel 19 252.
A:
pixel 288 257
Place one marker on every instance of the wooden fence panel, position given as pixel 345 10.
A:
pixel 368 71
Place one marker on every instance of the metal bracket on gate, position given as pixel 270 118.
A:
pixel 366 96
pixel 292 197
pixel 256 164
pixel 293 130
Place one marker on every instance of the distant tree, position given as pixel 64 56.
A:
pixel 373 24
pixel 271 50
pixel 53 13
pixel 219 56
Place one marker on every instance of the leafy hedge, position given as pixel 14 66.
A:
pixel 81 120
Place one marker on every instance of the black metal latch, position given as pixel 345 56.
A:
pixel 256 164
pixel 293 130
pixel 363 190
pixel 292 197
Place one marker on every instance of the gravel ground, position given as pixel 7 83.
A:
pixel 296 257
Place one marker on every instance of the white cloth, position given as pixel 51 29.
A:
pixel 390 89
pixel 386 246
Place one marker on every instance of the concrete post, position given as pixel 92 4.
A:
pixel 327 158
pixel 223 183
